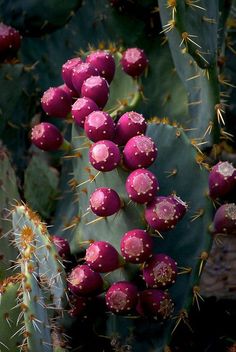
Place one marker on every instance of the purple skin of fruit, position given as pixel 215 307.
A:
pixel 134 61
pixel 105 202
pixel 62 246
pixel 97 89
pixel 155 303
pixel 160 271
pixel 80 73
pixel 139 151
pixel 136 246
pixel 55 102
pixel 101 256
pixel 104 63
pixel 10 40
pixel 141 186
pixel 129 125
pixel 180 206
pixel 121 297
pixel 84 281
pixel 67 70
pixel 78 305
pixel 99 126
pixel 222 179
pixel 70 93
pixel 81 109
pixel 225 219
pixel 46 136
pixel 104 155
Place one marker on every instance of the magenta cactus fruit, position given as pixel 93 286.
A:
pixel 67 70
pixel 99 125
pixel 180 206
pixel 129 125
pixel 139 152
pixel 55 102
pixel 97 89
pixel 142 186
pixel 78 305
pixel 104 63
pixel 105 202
pixel 62 246
pixel 104 155
pixel 81 109
pixel 80 73
pixel 46 136
pixel 225 219
pixel 84 281
pixel 134 61
pixel 136 246
pixel 160 271
pixel 10 40
pixel 155 303
pixel 101 256
pixel 121 297
pixel 222 179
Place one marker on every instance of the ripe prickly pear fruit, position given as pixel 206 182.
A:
pixel 81 109
pixel 101 256
pixel 55 102
pixel 180 206
pixel 136 246
pixel 46 136
pixel 142 186
pixel 80 73
pixel 105 202
pixel 10 41
pixel 225 219
pixel 155 303
pixel 84 281
pixel 121 297
pixel 78 305
pixel 134 61
pixel 104 63
pixel 104 155
pixel 129 125
pixel 160 271
pixel 222 179
pixel 62 246
pixel 68 92
pixel 67 70
pixel 139 151
pixel 97 89
pixel 99 125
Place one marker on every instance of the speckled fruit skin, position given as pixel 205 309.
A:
pixel 101 256
pixel 68 92
pixel 84 281
pixel 136 246
pixel 141 186
pixel 222 179
pixel 180 206
pixel 134 61
pixel 105 202
pixel 62 246
pixel 104 155
pixel 129 125
pixel 10 40
pixel 67 70
pixel 225 219
pixel 81 108
pixel 155 303
pixel 121 297
pixel 104 63
pixel 160 271
pixel 55 102
pixel 46 136
pixel 97 89
pixel 78 305
pixel 98 126
pixel 80 73
pixel 139 152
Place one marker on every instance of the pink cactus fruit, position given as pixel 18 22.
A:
pixel 98 126
pixel 101 256
pixel 10 40
pixel 84 281
pixel 160 271
pixel 142 186
pixel 222 179
pixel 80 73
pixel 136 246
pixel 78 305
pixel 62 246
pixel 129 125
pixel 134 61
pixel 55 102
pixel 70 93
pixel 67 71
pixel 46 136
pixel 81 109
pixel 105 202
pixel 139 151
pixel 104 155
pixel 121 297
pixel 155 303
pixel 97 89
pixel 180 206
pixel 225 219
pixel 104 63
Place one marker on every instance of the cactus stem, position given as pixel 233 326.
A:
pixel 182 317
pixel 171 173
pixel 219 113
pixel 95 220
pixel 193 77
pixel 184 270
pixel 209 129
pixel 193 4
pixel 204 256
pixel 199 53
pixel 197 296
pixel 168 27
pixel 199 213
pixel 186 37
pixel 209 20
pixel 94 177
